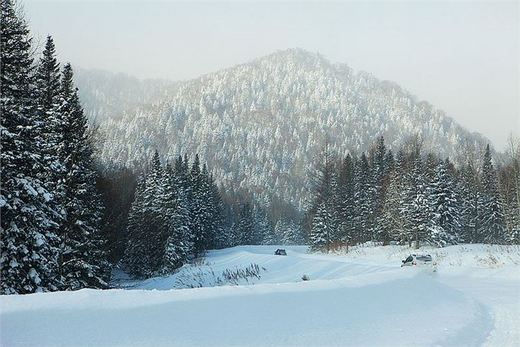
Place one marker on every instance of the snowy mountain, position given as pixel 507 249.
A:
pixel 261 125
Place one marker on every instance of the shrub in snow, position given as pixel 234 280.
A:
pixel 234 276
pixel 205 276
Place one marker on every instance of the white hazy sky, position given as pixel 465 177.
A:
pixel 462 56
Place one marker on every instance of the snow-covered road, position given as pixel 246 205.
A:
pixel 361 299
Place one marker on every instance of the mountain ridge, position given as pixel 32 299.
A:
pixel 260 125
pixel 302 52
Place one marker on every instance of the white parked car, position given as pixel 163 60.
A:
pixel 418 259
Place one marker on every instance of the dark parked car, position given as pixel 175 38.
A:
pixel 280 251
pixel 415 259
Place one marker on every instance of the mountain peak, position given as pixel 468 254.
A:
pixel 278 112
pixel 298 56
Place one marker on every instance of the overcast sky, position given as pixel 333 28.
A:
pixel 461 56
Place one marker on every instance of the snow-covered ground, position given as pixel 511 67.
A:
pixel 363 298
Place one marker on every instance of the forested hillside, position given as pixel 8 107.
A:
pixel 258 125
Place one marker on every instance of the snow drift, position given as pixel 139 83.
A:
pixel 363 298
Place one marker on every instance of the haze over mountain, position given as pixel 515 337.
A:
pixel 108 95
pixel 260 124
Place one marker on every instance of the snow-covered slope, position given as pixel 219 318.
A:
pixel 361 299
pixel 260 124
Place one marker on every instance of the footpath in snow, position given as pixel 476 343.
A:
pixel 363 298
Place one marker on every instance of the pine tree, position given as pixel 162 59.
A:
pixel 156 199
pixel 184 189
pixel 334 202
pixel 470 192
pixel 508 192
pixel 150 224
pixel 444 208
pixel 491 218
pixel 415 207
pixel 83 261
pixel 178 245
pixel 198 210
pixel 136 258
pixel 327 194
pixel 393 223
pixel 245 227
pixel 320 236
pixel 50 122
pixel 211 218
pixel 288 232
pixel 28 252
pixel 363 201
pixel 380 174
pixel 345 201
pixel 382 231
pixel 264 228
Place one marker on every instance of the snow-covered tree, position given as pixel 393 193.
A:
pixel 470 193
pixel 321 231
pixel 136 257
pixel 28 243
pixel 415 208
pixel 179 244
pixel 50 120
pixel 363 200
pixel 245 226
pixel 491 216
pixel 444 208
pixel 264 228
pixel 288 232
pixel 393 223
pixel 345 200
pixel 83 259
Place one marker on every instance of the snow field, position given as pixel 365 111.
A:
pixel 363 298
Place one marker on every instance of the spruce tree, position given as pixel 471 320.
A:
pixel 245 227
pixel 155 200
pixel 178 245
pixel 380 173
pixel 136 258
pixel 288 232
pixel 444 208
pixel 210 214
pixel 28 244
pixel 50 120
pixel 320 236
pixel 83 259
pixel 394 224
pixel 184 190
pixel 415 207
pixel 491 218
pixel 363 201
pixel 198 207
pixel 509 182
pixel 345 201
pixel 470 193
pixel 264 228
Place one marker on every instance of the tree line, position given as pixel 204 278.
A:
pixel 177 214
pixel 414 198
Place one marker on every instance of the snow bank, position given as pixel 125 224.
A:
pixel 361 299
